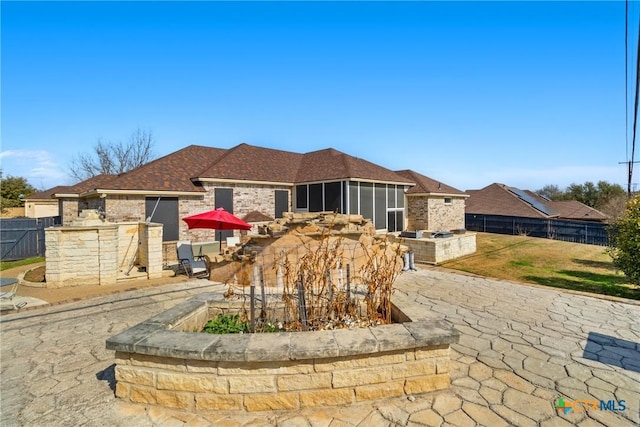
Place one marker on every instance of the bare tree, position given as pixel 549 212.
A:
pixel 114 158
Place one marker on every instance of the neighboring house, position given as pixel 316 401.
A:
pixel 432 205
pixel 42 204
pixel 500 199
pixel 261 183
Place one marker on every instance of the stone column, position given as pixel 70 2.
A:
pixel 150 249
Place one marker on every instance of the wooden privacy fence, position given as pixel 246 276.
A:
pixel 22 238
pixel 591 233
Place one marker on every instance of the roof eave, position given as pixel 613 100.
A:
pixel 243 181
pixel 373 181
pixel 440 194
pixel 103 191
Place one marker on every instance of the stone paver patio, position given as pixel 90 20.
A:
pixel 521 349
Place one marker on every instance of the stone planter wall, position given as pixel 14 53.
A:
pixel 158 363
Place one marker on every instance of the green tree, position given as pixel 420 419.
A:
pixel 586 193
pixel 612 199
pixel 551 192
pixel 13 189
pixel 625 241
pixel 604 196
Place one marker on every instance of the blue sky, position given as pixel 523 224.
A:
pixel 468 93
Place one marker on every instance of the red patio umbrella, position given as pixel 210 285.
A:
pixel 218 219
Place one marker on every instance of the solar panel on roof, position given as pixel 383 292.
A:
pixel 536 204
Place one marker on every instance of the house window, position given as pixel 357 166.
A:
pixel 448 201
pixel 301 196
pixel 354 198
pixel 395 220
pixel 332 196
pixel 327 196
pixel 380 200
pixel 400 196
pixel 366 200
pixel 315 197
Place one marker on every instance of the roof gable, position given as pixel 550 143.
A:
pixel 426 185
pixel 331 164
pixel 173 172
pixel 246 162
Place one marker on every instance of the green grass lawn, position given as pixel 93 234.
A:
pixel 6 265
pixel 546 262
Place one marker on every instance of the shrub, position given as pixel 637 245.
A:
pixel 226 324
pixel 625 241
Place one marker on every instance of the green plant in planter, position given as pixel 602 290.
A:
pixel 226 324
pixel 268 327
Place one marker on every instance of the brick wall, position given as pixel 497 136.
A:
pixel 246 198
pixel 70 210
pixel 124 208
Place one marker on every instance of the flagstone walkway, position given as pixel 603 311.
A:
pixel 521 349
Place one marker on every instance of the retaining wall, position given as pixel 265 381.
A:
pixel 158 362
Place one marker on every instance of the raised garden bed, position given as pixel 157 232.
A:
pixel 162 361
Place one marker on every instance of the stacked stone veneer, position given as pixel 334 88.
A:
pixel 434 251
pixel 159 362
pixel 97 253
pixel 81 255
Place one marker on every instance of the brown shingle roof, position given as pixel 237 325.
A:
pixel 572 209
pixel 172 172
pixel 180 171
pixel 497 199
pixel 249 163
pixel 255 216
pixel 425 185
pixel 88 184
pixel 330 164
pixel 48 194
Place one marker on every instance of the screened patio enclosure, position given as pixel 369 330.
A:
pixel 382 203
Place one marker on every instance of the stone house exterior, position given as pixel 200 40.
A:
pixel 247 179
pixel 433 205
